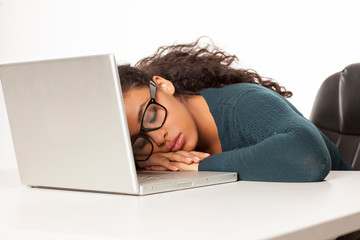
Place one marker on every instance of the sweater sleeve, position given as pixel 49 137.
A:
pixel 288 148
pixel 286 157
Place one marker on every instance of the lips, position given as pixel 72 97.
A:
pixel 176 144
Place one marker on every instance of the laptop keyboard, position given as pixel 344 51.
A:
pixel 144 177
pixel 148 178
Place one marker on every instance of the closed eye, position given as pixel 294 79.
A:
pixel 154 115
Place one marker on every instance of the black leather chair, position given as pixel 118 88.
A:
pixel 336 112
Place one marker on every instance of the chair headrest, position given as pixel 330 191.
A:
pixel 337 104
pixel 349 99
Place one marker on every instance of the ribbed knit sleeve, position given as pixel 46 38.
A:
pixel 264 138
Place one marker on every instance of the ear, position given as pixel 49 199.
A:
pixel 164 84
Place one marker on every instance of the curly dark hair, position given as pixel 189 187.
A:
pixel 192 67
pixel 131 77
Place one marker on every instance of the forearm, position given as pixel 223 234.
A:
pixel 280 158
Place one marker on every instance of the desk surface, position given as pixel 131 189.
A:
pixel 240 210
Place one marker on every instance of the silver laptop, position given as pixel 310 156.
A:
pixel 69 129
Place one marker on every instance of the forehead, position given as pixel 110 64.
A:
pixel 136 93
pixel 133 99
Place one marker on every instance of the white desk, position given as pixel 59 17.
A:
pixel 241 210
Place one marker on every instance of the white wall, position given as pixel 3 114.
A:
pixel 298 43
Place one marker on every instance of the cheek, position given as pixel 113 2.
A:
pixel 178 116
pixel 180 120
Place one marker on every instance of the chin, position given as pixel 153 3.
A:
pixel 190 147
pixel 190 143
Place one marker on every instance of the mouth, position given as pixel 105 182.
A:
pixel 176 144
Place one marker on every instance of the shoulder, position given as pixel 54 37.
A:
pixel 235 94
pixel 255 104
pixel 233 89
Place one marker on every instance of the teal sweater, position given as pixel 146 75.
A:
pixel 265 138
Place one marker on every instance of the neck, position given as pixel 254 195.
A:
pixel 209 141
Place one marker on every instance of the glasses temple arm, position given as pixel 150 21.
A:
pixel 152 89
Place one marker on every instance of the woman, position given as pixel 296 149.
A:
pixel 188 108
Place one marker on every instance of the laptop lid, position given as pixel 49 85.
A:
pixel 68 124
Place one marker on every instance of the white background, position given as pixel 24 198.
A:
pixel 297 43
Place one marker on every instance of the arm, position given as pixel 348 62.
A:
pixel 338 163
pixel 265 138
pixel 295 156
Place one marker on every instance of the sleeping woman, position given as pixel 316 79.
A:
pixel 189 108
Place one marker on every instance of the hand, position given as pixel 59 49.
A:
pixel 171 161
pixel 186 167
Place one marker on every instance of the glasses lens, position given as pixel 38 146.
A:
pixel 142 148
pixel 154 116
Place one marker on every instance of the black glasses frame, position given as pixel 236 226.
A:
pixel 143 130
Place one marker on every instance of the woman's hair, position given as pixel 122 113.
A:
pixel 131 77
pixel 191 68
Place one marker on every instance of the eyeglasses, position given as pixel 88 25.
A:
pixel 153 118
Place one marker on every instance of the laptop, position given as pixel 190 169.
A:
pixel 69 130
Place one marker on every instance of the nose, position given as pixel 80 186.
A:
pixel 158 136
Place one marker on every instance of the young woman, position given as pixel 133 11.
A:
pixel 188 108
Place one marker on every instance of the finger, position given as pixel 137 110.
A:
pixel 169 166
pixel 201 155
pixel 156 168
pixel 180 156
pixel 186 167
pixel 160 160
pixel 152 161
pixel 188 157
pixel 143 164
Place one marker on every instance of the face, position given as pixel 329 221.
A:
pixel 179 131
